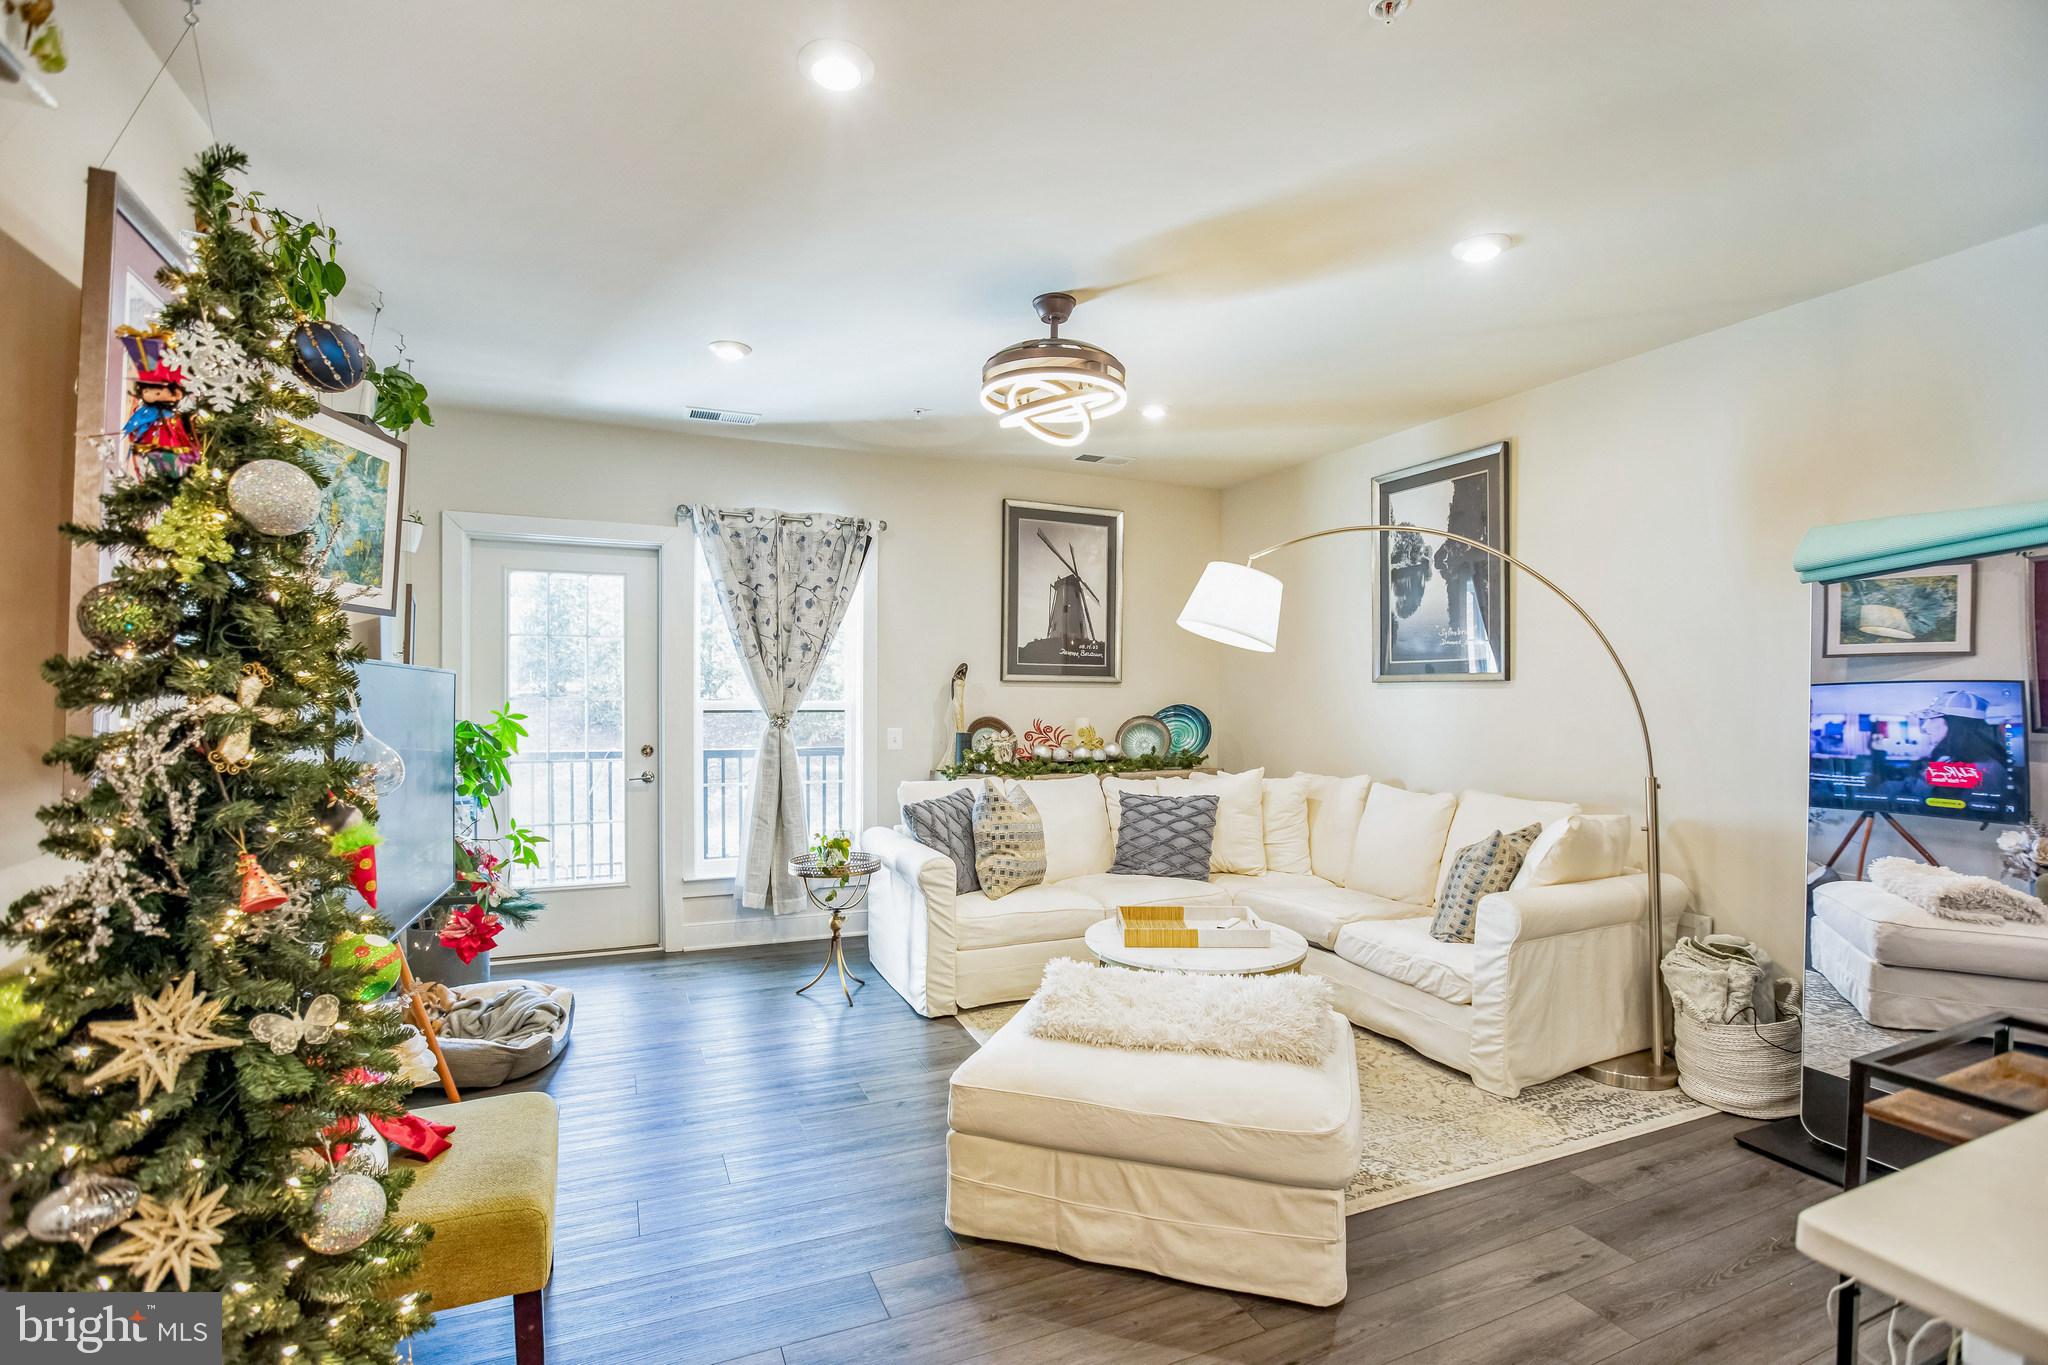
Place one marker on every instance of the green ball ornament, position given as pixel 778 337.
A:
pixel 112 619
pixel 374 958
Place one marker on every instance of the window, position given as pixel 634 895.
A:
pixel 565 656
pixel 729 725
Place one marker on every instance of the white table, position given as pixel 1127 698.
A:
pixel 1962 1235
pixel 1105 939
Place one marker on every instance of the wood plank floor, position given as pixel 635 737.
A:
pixel 749 1175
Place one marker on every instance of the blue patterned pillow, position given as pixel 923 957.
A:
pixel 1164 836
pixel 1477 871
pixel 946 825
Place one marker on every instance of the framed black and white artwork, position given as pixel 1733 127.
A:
pixel 1063 588
pixel 1443 605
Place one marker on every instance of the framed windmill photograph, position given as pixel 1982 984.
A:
pixel 1063 593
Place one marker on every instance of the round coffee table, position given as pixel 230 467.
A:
pixel 1105 939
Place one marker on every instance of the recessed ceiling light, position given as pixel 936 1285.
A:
pixel 1152 412
pixel 836 65
pixel 730 351
pixel 1479 250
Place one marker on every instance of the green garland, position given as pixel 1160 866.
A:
pixel 981 765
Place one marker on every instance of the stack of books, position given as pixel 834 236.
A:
pixel 1179 926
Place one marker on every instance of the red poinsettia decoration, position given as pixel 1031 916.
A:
pixel 471 930
pixel 1051 736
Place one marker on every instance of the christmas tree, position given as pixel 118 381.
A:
pixel 199 1056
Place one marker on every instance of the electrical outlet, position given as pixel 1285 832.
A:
pixel 895 738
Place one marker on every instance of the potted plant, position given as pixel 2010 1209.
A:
pixel 457 932
pixel 410 530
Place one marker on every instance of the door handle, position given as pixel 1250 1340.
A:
pixel 646 775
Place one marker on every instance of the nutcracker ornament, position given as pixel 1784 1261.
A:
pixel 159 442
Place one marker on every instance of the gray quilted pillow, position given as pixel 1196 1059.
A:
pixel 1164 836
pixel 1478 870
pixel 945 824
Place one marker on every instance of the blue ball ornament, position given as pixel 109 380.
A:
pixel 327 355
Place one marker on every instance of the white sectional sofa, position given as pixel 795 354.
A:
pixel 1553 981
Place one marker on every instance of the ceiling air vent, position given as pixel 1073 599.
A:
pixel 1103 461
pixel 735 419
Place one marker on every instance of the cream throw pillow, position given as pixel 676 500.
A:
pixel 1240 841
pixel 1334 806
pixel 1077 840
pixel 1009 839
pixel 1400 843
pixel 1285 814
pixel 1578 848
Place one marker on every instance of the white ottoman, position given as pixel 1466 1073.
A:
pixel 1210 1169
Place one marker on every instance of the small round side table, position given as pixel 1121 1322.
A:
pixel 838 889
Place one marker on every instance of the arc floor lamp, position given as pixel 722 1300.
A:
pixel 1236 604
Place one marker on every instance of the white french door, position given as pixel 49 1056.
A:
pixel 565 634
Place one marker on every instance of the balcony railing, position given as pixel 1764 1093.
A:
pixel 728 794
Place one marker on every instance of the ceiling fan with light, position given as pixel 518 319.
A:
pixel 1052 386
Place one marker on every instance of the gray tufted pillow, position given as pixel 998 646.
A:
pixel 1164 836
pixel 945 824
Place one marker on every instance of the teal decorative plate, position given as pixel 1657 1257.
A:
pixel 1144 737
pixel 1188 727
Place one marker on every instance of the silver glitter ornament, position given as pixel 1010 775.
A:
pixel 346 1214
pixel 83 1209
pixel 275 498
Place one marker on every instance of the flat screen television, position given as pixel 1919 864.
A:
pixel 1938 747
pixel 413 710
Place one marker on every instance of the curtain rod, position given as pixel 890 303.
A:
pixel 688 511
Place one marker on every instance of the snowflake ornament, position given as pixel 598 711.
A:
pixel 219 371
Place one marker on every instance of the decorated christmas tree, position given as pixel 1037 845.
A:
pixel 193 1031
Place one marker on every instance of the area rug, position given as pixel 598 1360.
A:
pixel 1428 1127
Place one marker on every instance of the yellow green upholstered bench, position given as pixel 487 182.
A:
pixel 490 1199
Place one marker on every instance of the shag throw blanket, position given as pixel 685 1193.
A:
pixel 1283 1018
pixel 1953 895
pixel 510 1016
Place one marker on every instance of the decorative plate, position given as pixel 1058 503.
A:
pixel 1144 737
pixel 1188 726
pixel 982 731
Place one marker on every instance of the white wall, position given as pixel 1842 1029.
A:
pixel 44 152
pixel 940 572
pixel 1667 492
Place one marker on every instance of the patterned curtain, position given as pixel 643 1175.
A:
pixel 784 581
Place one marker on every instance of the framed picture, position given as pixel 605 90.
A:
pixel 2037 598
pixel 125 247
pixel 1443 605
pixel 1063 593
pixel 1904 611
pixel 355 541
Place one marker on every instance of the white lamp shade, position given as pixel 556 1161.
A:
pixel 1234 604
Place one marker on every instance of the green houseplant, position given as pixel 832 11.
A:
pixel 483 751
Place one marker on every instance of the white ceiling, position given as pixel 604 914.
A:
pixel 563 203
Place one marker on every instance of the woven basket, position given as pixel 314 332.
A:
pixel 1749 1069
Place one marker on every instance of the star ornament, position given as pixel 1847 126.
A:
pixel 166 1032
pixel 171 1238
